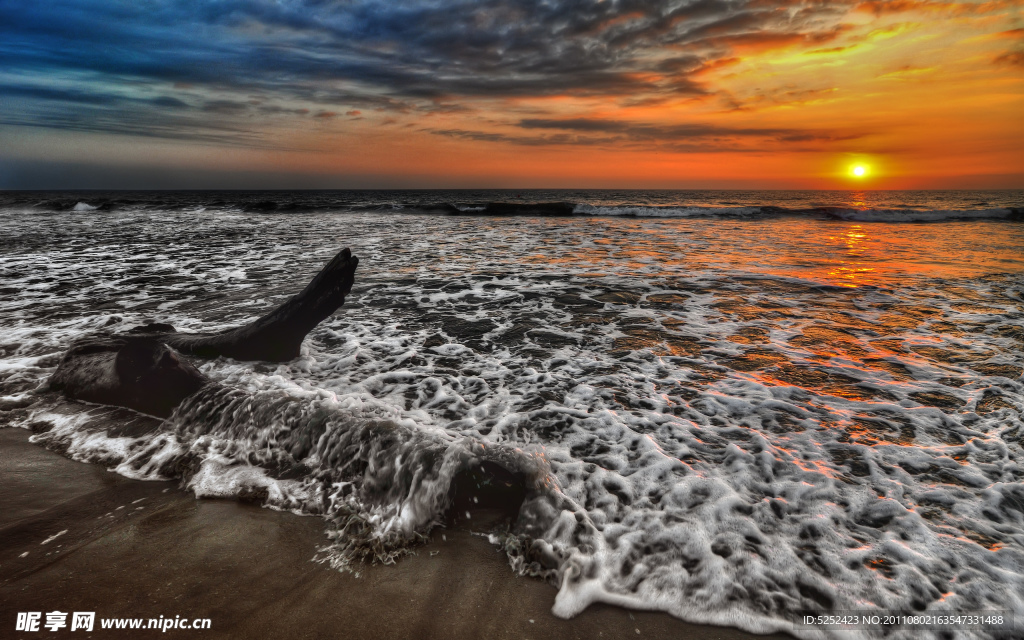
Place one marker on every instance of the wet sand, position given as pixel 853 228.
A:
pixel 145 549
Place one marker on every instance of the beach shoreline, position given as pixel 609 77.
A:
pixel 830 427
pixel 138 549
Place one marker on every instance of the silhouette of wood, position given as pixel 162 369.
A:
pixel 276 337
pixel 142 369
pixel 137 372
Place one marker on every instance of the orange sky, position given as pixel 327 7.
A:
pixel 924 94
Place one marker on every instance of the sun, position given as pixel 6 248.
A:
pixel 859 170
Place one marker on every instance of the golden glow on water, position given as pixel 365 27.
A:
pixel 832 252
pixel 850 269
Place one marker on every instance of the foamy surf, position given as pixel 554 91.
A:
pixel 301 452
pixel 734 421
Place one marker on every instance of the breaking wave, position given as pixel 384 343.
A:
pixel 382 483
pixel 853 206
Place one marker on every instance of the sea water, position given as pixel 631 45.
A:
pixel 736 407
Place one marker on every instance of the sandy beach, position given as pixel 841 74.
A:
pixel 145 549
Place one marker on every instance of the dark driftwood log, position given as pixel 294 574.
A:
pixel 276 337
pixel 140 369
pixel 137 372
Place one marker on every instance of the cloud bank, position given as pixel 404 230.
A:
pixel 217 71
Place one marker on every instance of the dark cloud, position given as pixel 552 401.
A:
pixel 97 112
pixel 1014 58
pixel 882 7
pixel 687 137
pixel 133 125
pixel 1011 58
pixel 34 174
pixel 79 96
pixel 374 55
pixel 528 141
pixel 225 106
pixel 644 131
pixel 274 109
pixel 169 102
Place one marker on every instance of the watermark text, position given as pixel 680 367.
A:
pixel 35 621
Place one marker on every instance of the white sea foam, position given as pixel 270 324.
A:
pixel 221 477
pixel 53 537
pixel 84 206
pixel 726 430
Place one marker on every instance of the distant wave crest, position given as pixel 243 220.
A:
pixel 896 215
pixel 639 211
pixel 510 205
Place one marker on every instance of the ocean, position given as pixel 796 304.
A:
pixel 737 407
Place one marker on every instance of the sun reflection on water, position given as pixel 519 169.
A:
pixel 830 252
pixel 850 270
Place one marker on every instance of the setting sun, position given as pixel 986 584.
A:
pixel 859 170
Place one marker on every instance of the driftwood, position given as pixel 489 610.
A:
pixel 142 370
pixel 276 337
pixel 137 372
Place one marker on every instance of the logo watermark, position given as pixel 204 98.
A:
pixel 35 621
